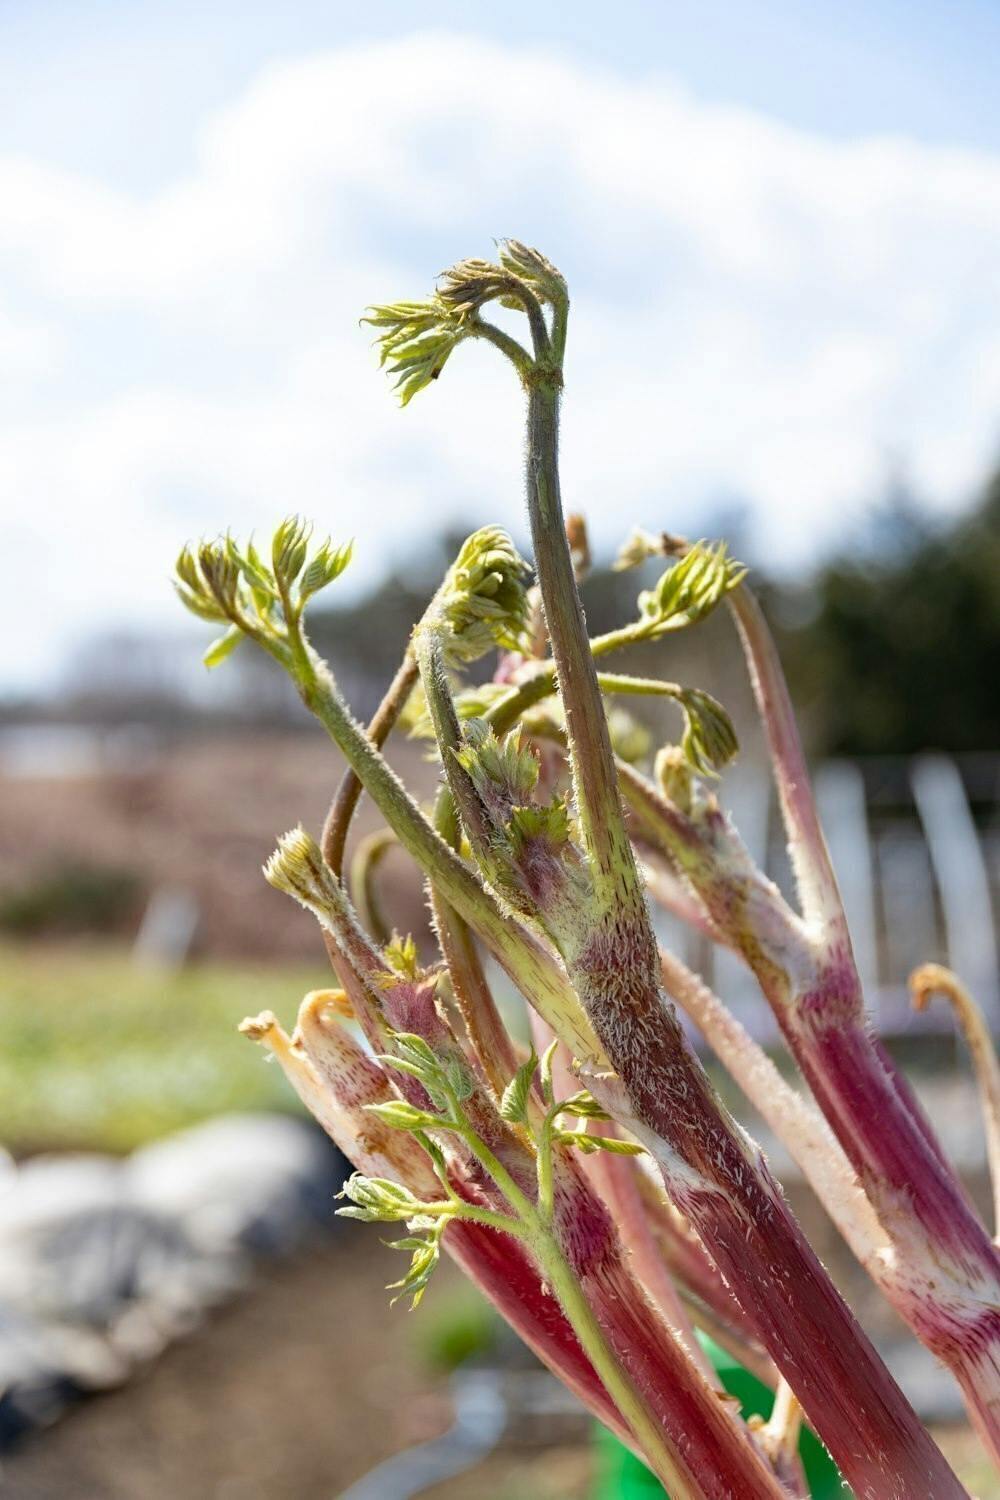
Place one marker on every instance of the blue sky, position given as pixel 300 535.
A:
pixel 781 223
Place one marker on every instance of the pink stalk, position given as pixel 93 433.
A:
pixel 947 1278
pixel 710 1443
pixel 795 1121
pixel 336 1080
pixel 586 1233
pixel 940 1270
pixel 713 1306
pixel 615 1180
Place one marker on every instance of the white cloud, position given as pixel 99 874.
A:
pixel 758 312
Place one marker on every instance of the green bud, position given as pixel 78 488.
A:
pixel 327 564
pixel 531 822
pixel 483 597
pixel 709 741
pixel 378 1200
pixel 401 1115
pixel 689 590
pixel 288 550
pixel 415 341
pixel 514 1102
pixel 531 267
pixel 298 868
pixel 402 958
pixel 467 285
pixel 502 771
pixel 223 647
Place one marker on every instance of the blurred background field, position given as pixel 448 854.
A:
pixel 100 1054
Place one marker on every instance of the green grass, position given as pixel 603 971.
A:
pixel 97 1054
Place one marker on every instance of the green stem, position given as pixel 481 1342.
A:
pixel 539 1232
pixel 648 1431
pixel 524 957
pixel 348 793
pixel 599 806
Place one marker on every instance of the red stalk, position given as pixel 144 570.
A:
pixel 946 1281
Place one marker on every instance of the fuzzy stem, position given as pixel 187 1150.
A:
pixel 712 1304
pixel 932 979
pixel 818 890
pixel 336 1080
pixel 381 725
pixel 367 857
pixel 616 880
pixel 486 1030
pixel 616 1180
pixel 520 953
pixel 942 1274
pixel 690 1439
pixel 709 1170
pixel 795 1121
pixel 707 1165
pixel 487 1034
pixel 634 1410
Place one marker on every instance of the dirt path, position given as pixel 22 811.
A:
pixel 293 1391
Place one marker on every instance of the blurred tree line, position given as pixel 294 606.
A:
pixel 895 646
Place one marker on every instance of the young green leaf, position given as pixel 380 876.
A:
pixel 401 1115
pixel 224 646
pixel 514 1102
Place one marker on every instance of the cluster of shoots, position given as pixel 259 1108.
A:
pixel 566 1147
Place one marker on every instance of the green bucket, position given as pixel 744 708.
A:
pixel 620 1475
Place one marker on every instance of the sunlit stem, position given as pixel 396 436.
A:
pixel 817 883
pixel 525 958
pixel 932 979
pixel 616 880
pixel 779 1437
pixel 348 793
pixel 368 855
pixel 795 1121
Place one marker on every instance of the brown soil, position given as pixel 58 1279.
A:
pixel 294 1390
pixel 202 815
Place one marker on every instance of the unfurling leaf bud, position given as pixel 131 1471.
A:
pixel 467 285
pixel 709 741
pixel 504 772
pixel 402 957
pixel 223 647
pixel 402 1115
pixel 298 868
pixel 532 267
pixel 514 1103
pixel 288 550
pixel 378 1200
pixel 689 590
pixel 483 597
pixel 415 340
